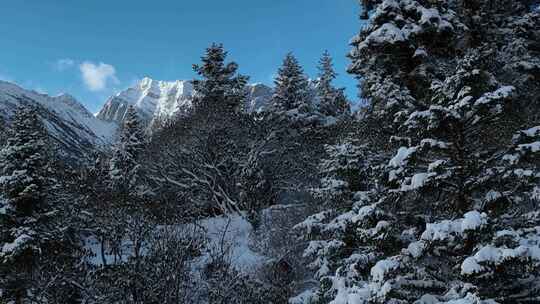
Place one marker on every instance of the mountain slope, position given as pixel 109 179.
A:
pixel 70 124
pixel 162 100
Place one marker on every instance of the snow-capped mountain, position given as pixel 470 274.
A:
pixel 259 96
pixel 161 100
pixel 153 99
pixel 69 123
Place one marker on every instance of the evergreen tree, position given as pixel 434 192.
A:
pixel 521 176
pixel 23 162
pixel 450 215
pixel 367 6
pixel 339 233
pixel 221 87
pixel 326 74
pixel 37 247
pixel 332 101
pixel 125 169
pixel 449 170
pixel 291 87
pixel 22 166
pixel 127 212
pixel 210 144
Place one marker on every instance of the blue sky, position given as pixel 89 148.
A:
pixel 91 49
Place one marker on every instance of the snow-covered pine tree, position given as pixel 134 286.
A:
pixel 506 266
pixel 332 100
pixel 455 139
pixel 23 161
pixel 384 57
pixel 125 171
pixel 38 251
pixel 222 88
pixel 485 19
pixel 459 218
pixel 522 169
pixel 447 171
pixel 126 214
pixel 367 6
pixel 395 56
pixel 350 231
pixel 291 87
pixel 22 171
pixel 517 61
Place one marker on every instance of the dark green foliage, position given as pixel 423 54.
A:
pixel 125 170
pixel 291 87
pixel 221 87
pixel 449 213
pixel 332 101
pixel 39 245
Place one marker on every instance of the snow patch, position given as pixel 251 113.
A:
pixel 388 33
pixel 229 231
pixel 403 154
pixel 496 256
pixel 416 249
pixel 443 230
pixel 501 93
pixel 532 132
pixel 383 267
pixel 19 243
pixel 305 297
pixel 532 147
pixel 234 230
pixel 417 181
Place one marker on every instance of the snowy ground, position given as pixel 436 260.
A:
pixel 231 233
pixel 235 231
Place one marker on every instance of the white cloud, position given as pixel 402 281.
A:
pixel 64 64
pixel 96 76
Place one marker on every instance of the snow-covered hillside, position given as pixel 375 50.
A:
pixel 161 100
pixel 70 124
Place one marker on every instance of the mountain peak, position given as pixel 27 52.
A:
pixel 146 79
pixel 71 101
pixel 146 83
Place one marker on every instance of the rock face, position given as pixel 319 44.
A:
pixel 152 99
pixel 161 100
pixel 259 97
pixel 74 129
